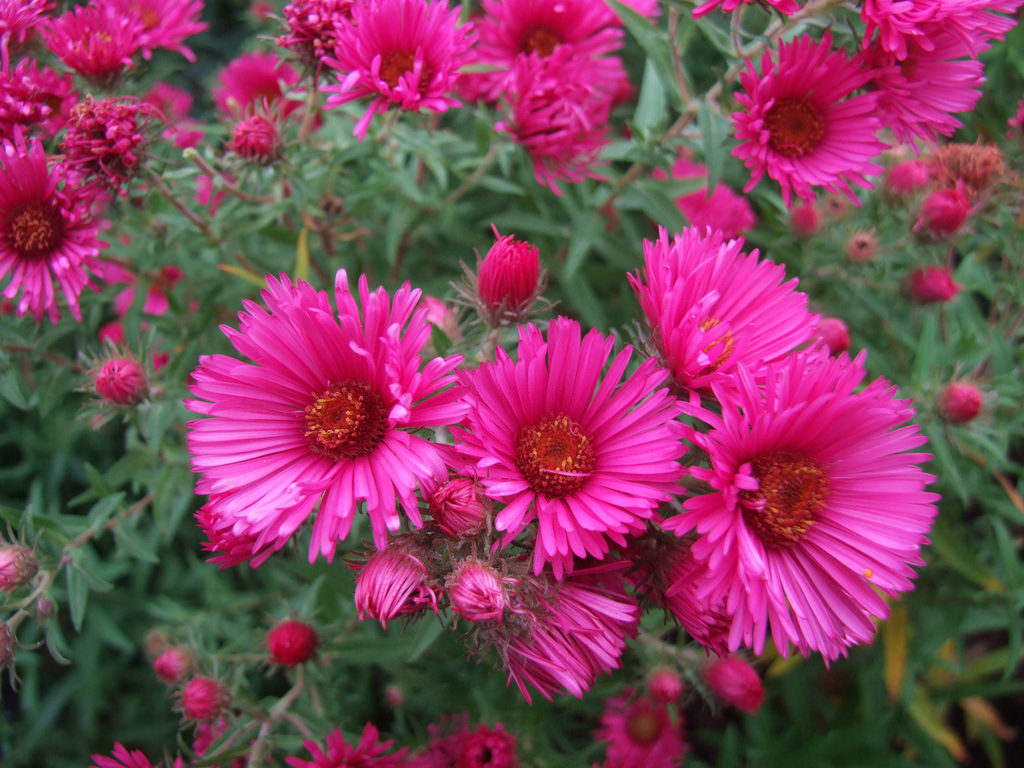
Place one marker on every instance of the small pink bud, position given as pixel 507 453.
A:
pixel 476 592
pixel 932 284
pixel 943 212
pixel 156 642
pixel 291 642
pixel 907 178
pixel 18 564
pixel 7 645
pixel 393 582
pixel 203 699
pixel 255 138
pixel 173 664
pixel 121 381
pixel 459 508
pixel 834 333
pixel 835 207
pixel 804 220
pixel 735 682
pixel 862 245
pixel 664 685
pixel 508 277
pixel 395 696
pixel 440 315
pixel 960 402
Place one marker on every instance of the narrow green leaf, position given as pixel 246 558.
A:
pixel 11 390
pixel 423 636
pixel 130 542
pixel 650 106
pixel 78 595
pixel 714 129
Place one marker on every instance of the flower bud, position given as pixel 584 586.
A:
pixel 7 645
pixel 18 565
pixel 395 696
pixel 508 278
pixel 907 178
pixel 476 592
pixel 393 582
pixel 441 316
pixel 121 381
pixel 173 664
pixel 203 699
pixel 943 212
pixel 664 685
pixel 933 284
pixel 255 138
pixel 834 333
pixel 960 402
pixel 804 220
pixel 735 682
pixel 862 245
pixel 291 642
pixel 459 508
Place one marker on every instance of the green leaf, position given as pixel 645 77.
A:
pixel 102 510
pixel 422 637
pixel 78 595
pixel 714 130
pixel 959 554
pixel 130 542
pixel 656 45
pixel 11 390
pixel 650 106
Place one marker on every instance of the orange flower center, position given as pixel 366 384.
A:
pixel 35 230
pixel 793 489
pixel 555 456
pixel 394 64
pixel 724 345
pixel 643 728
pixel 347 421
pixel 795 127
pixel 541 40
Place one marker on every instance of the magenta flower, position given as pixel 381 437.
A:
pixel 395 582
pixel 723 209
pixel 97 40
pixel 17 20
pixel 640 734
pixel 252 79
pixel 325 412
pixel 106 141
pixel 402 52
pixel 47 233
pixel 785 7
pixel 710 306
pixel 588 457
pixel 164 23
pixel 311 28
pixel 122 757
pixel 802 125
pixel 34 99
pixel 338 753
pixel 818 507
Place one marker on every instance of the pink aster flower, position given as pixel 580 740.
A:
pixel 17 20
pixel 47 233
pixel 589 457
pixel 785 7
pixel 402 52
pixel 164 23
pixel 556 114
pixel 232 541
pixel 802 125
pixel 106 141
pixel 338 753
pixel 641 734
pixel 96 41
pixel 325 412
pixel 454 745
pixel 252 78
pixel 710 306
pixel 312 28
pixel 122 757
pixel 818 506
pixel 35 99
pixel 722 209
pixel 174 105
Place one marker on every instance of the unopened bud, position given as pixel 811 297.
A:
pixel 459 507
pixel 173 664
pixel 907 178
pixel 933 284
pixel 393 582
pixel 18 564
pixel 291 642
pixel 804 220
pixel 121 381
pixel 508 278
pixel 960 402
pixel 395 696
pixel 203 699
pixel 943 212
pixel 735 682
pixel 255 138
pixel 664 685
pixel 835 334
pixel 476 592
pixel 862 245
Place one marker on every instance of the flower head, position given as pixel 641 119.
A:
pixel 402 52
pixel 325 413
pixel 960 402
pixel 47 234
pixel 396 581
pixel 710 306
pixel 95 40
pixel 203 698
pixel 735 682
pixel 122 757
pixel 721 209
pixel 250 80
pixel 640 734
pixel 17 20
pixel 338 753
pixel 806 526
pixel 106 141
pixel 588 457
pixel 312 28
pixel 291 642
pixel 34 99
pixel 164 23
pixel 173 663
pixel 802 125
pixel 932 284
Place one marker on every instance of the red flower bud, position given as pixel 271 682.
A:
pixel 960 403
pixel 735 682
pixel 932 284
pixel 906 178
pixel 18 565
pixel 255 138
pixel 943 212
pixel 459 508
pixel 862 245
pixel 804 220
pixel 203 699
pixel 834 333
pixel 121 381
pixel 173 664
pixel 291 642
pixel 508 278
pixel 476 592
pixel 664 685
pixel 393 582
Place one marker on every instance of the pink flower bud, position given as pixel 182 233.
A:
pixel 121 381
pixel 173 664
pixel 862 245
pixel 735 682
pixel 476 592
pixel 394 695
pixel 440 315
pixel 834 333
pixel 7 645
pixel 291 642
pixel 804 220
pixel 508 278
pixel 906 178
pixel 393 582
pixel 203 699
pixel 960 402
pixel 943 212
pixel 18 564
pixel 255 138
pixel 664 685
pixel 459 508
pixel 933 284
